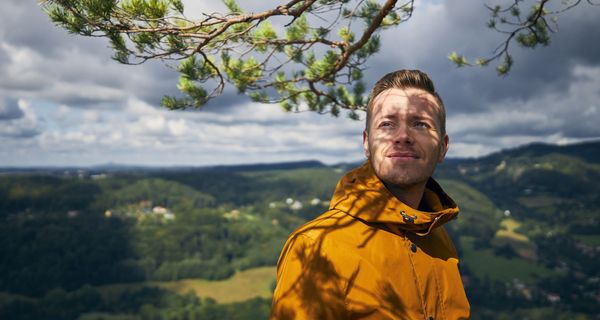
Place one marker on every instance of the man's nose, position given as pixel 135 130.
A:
pixel 403 135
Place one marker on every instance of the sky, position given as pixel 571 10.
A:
pixel 65 102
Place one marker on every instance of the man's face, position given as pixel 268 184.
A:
pixel 403 140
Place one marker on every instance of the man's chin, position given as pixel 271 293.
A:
pixel 403 175
pixel 401 181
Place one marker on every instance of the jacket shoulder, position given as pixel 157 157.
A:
pixel 308 284
pixel 326 222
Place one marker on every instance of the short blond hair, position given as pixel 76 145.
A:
pixel 404 79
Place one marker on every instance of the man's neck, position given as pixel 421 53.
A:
pixel 411 196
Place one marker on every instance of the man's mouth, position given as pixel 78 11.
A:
pixel 402 155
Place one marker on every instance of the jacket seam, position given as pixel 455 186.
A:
pixel 421 298
pixel 439 293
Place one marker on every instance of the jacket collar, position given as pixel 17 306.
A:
pixel 362 195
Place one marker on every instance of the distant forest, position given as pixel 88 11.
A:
pixel 90 243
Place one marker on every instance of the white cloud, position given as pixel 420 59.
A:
pixel 78 137
pixel 178 127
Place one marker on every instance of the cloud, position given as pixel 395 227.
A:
pixel 141 132
pixel 10 110
pixel 26 25
pixel 66 102
pixel 39 60
pixel 17 120
pixel 437 29
pixel 570 114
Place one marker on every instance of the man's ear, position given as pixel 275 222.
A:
pixel 366 144
pixel 443 148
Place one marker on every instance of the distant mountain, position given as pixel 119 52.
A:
pixel 587 151
pixel 268 166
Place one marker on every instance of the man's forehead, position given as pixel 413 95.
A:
pixel 417 100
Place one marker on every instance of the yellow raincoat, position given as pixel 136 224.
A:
pixel 372 257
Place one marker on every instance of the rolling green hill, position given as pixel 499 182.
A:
pixel 528 236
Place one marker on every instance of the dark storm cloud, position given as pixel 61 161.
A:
pixel 39 59
pixel 16 132
pixel 9 109
pixel 229 99
pixel 17 121
pixel 435 31
pixel 75 59
pixel 548 69
pixel 544 95
pixel 28 26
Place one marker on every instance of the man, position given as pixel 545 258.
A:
pixel 380 252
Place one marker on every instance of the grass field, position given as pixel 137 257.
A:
pixel 507 235
pixel 507 230
pixel 242 286
pixel 536 202
pixel 483 262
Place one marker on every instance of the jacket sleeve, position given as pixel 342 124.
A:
pixel 308 286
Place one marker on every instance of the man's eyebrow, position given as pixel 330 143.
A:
pixel 391 116
pixel 421 116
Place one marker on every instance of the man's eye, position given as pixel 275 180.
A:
pixel 422 124
pixel 385 124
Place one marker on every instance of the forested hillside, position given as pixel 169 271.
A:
pixel 114 242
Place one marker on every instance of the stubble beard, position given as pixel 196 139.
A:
pixel 403 177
